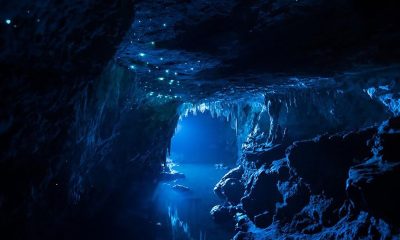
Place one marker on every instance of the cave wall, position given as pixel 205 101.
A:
pixel 75 131
pixel 322 188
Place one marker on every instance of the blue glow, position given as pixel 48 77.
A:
pixel 164 25
pixel 132 67
pixel 8 21
pixel 202 138
pixel 167 71
pixel 161 78
pixel 198 144
pixel 142 54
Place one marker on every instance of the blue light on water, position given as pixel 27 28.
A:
pixel 199 143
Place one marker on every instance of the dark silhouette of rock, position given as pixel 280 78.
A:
pixel 263 220
pixel 230 187
pixel 305 194
pixel 223 214
pixel 373 185
pixel 262 192
pixel 266 156
pixel 323 162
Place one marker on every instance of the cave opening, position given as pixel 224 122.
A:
pixel 203 149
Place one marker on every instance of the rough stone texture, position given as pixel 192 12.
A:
pixel 311 200
pixel 67 118
pixel 323 162
pixel 230 187
pixel 244 46
pixel 262 192
pixel 372 186
pixel 223 214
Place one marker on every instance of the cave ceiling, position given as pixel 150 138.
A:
pixel 200 49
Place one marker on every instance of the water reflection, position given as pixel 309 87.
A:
pixel 202 147
pixel 187 212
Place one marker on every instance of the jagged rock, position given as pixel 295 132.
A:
pixel 243 222
pixel 373 186
pixel 295 196
pixel 262 193
pixel 323 162
pixel 223 214
pixel 230 187
pixel 266 156
pixel 320 167
pixel 311 218
pixel 387 142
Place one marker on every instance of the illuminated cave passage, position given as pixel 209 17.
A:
pixel 203 149
pixel 98 125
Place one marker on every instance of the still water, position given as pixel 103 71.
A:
pixel 187 212
pixel 199 144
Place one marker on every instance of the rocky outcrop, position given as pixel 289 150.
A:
pixel 230 187
pixel 223 214
pixel 324 161
pixel 334 186
pixel 76 141
pixel 372 185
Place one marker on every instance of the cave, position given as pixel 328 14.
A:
pixel 204 120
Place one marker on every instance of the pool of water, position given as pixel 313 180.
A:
pixel 187 212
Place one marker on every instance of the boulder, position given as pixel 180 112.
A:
pixel 230 187
pixel 263 193
pixel 222 214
